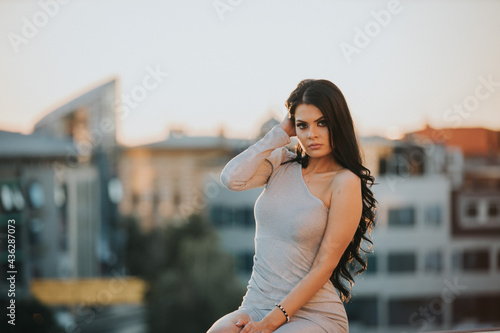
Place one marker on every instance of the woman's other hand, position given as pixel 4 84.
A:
pixel 248 326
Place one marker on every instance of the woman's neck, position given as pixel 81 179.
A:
pixel 323 164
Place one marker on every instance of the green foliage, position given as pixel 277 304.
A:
pixel 144 254
pixel 197 284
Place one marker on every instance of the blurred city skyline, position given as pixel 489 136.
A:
pixel 153 225
pixel 201 65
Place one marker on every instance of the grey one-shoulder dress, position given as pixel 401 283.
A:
pixel 290 224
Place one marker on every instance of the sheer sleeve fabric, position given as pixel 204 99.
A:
pixel 254 166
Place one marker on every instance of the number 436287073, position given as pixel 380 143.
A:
pixel 11 247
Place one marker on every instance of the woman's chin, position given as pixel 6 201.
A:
pixel 317 152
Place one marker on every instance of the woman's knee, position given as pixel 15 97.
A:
pixel 227 323
pixel 299 325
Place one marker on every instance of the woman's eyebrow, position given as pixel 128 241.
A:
pixel 315 120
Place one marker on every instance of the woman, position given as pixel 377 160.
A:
pixel 311 217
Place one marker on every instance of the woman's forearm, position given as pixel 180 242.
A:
pixel 310 284
pixel 249 168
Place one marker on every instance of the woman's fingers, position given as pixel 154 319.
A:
pixel 246 329
pixel 289 126
pixel 249 327
pixel 241 322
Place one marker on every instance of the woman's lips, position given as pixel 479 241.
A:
pixel 315 146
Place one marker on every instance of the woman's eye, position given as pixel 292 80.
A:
pixel 320 123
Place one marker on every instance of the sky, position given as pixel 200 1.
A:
pixel 233 63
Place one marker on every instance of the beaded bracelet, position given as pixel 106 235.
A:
pixel 286 314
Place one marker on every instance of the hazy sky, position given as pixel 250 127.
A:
pixel 397 62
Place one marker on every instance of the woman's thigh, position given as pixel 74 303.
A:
pixel 299 325
pixel 227 323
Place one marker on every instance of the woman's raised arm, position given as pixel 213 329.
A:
pixel 252 167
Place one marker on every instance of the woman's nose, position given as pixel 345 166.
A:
pixel 312 133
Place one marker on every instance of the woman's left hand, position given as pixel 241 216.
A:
pixel 249 326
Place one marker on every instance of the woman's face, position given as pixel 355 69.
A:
pixel 311 128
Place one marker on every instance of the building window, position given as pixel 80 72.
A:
pixel 498 260
pixel 216 215
pixel 363 311
pixel 433 262
pixel 243 217
pixel 35 227
pixel 223 216
pixel 482 309
pixel 475 260
pixel 493 209
pixel 401 262
pixel 382 166
pixel 415 312
pixel 239 217
pixel 402 216
pixel 371 264
pixel 433 215
pixel 471 209
pixel 176 196
pixel 480 212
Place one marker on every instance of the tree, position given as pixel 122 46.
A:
pixel 198 284
pixel 143 251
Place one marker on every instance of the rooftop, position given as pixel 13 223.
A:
pixel 14 144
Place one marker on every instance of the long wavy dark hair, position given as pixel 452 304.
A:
pixel 327 97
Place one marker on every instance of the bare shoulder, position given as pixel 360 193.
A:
pixel 345 179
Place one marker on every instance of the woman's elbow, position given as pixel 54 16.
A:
pixel 224 179
pixel 235 186
pixel 229 183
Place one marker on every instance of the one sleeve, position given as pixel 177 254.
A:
pixel 252 167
